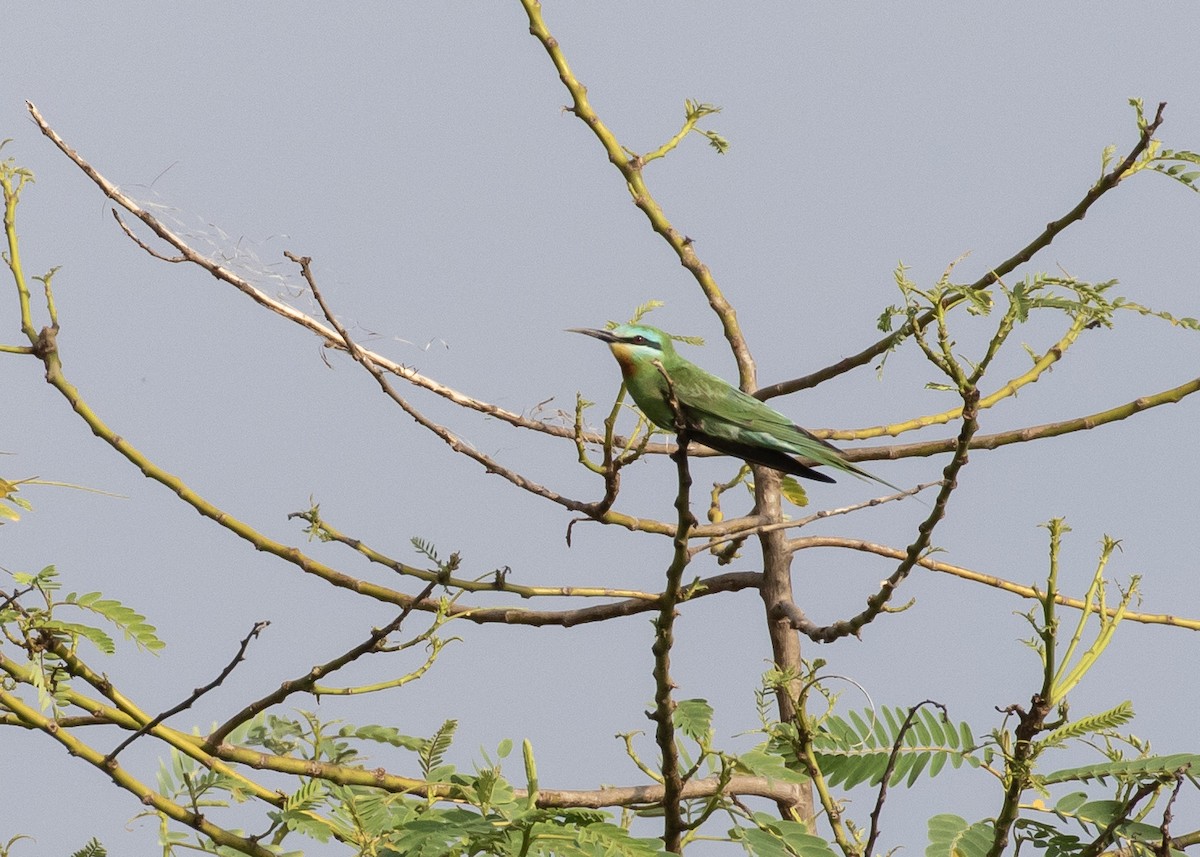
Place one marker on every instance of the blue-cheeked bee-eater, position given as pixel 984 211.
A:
pixel 713 412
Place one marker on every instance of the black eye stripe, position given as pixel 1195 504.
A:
pixel 641 340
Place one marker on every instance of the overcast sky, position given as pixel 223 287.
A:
pixel 458 221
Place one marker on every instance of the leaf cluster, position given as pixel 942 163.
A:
pixel 485 815
pixel 33 619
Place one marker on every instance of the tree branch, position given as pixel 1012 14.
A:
pixel 258 628
pixel 1029 433
pixel 1000 583
pixel 877 602
pixel 309 679
pixel 367 361
pixel 631 168
pixel 292 314
pixel 128 782
pixel 1106 183
pixel 893 757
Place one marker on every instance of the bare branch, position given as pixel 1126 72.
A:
pixel 367 361
pixel 756 529
pixel 1164 844
pixel 893 757
pixel 138 241
pixel 329 335
pixel 631 168
pixel 664 637
pixel 788 794
pixel 498 581
pixel 1024 435
pixel 258 628
pixel 729 582
pixel 306 682
pixel 877 602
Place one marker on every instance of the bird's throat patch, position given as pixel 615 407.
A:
pixel 624 358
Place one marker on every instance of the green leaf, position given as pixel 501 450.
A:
pixel 1113 718
pixel 762 844
pixel 384 735
pixel 951 836
pixel 308 796
pixel 92 849
pixel 862 731
pixel 775 836
pixel 131 623
pixel 1127 770
pixel 770 765
pixel 693 717
pixel 855 749
pixel 793 491
pixel 887 318
pixel 966 735
pixel 1071 802
pixel 313 825
pixel 441 832
pixel 73 630
pixel 604 839
pixel 433 752
pixel 919 763
pixel 642 310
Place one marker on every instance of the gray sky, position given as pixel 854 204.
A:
pixel 459 220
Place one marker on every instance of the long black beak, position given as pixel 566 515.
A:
pixel 605 335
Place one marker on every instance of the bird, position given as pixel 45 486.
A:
pixel 714 412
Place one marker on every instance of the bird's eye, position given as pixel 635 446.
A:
pixel 639 340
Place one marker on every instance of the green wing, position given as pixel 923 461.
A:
pixel 731 421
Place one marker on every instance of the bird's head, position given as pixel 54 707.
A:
pixel 633 345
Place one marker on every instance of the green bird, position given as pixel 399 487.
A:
pixel 716 414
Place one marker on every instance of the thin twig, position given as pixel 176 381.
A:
pixel 143 244
pixel 497 582
pixel 17 594
pixel 306 681
pixel 631 169
pixel 893 757
pixel 1164 844
pixel 368 362
pixel 258 628
pixel 758 529
pixel 1108 835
